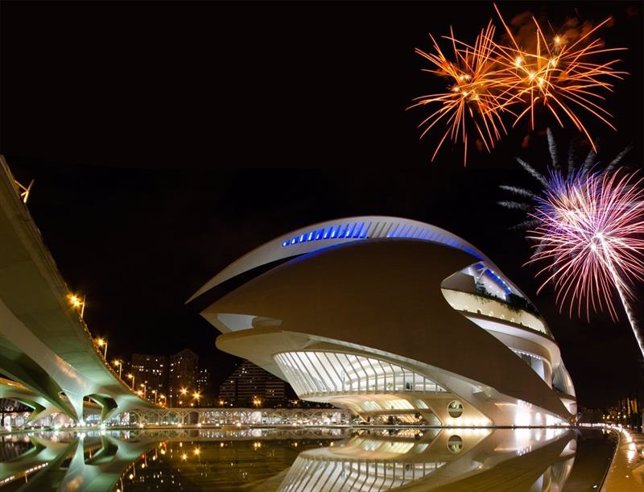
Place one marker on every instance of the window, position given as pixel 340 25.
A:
pixel 455 409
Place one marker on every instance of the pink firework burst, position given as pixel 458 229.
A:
pixel 591 239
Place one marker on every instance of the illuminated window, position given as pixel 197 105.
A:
pixel 337 372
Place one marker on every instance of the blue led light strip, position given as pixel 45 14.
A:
pixel 354 230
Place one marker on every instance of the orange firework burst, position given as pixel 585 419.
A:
pixel 472 100
pixel 557 75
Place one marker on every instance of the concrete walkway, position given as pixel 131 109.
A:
pixel 626 472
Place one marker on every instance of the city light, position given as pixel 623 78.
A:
pixel 77 303
pixel 119 364
pixel 102 343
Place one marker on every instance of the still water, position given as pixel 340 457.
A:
pixel 318 459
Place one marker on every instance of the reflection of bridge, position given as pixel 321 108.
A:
pixel 44 344
pixel 242 416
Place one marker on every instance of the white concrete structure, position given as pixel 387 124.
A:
pixel 45 345
pixel 396 320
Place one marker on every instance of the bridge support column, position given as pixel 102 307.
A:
pixel 76 401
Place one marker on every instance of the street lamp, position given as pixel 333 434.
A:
pixel 102 342
pixel 77 303
pixel 145 390
pixel 257 401
pixel 119 364
pixel 131 376
pixel 196 396
pixel 154 392
pixel 162 397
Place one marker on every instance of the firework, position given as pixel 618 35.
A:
pixel 471 101
pixel 560 76
pixel 526 199
pixel 489 82
pixel 591 239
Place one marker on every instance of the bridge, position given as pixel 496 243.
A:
pixel 48 357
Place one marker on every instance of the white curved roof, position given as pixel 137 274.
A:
pixel 341 231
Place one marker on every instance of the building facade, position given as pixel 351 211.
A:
pixel 151 371
pixel 395 320
pixel 250 385
pixel 182 377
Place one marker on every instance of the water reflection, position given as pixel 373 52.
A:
pixel 290 460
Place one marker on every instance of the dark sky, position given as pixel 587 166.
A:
pixel 166 140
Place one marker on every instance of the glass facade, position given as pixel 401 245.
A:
pixel 313 373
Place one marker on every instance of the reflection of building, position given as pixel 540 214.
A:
pixel 250 385
pixel 182 374
pixel 438 460
pixel 152 371
pixel 396 320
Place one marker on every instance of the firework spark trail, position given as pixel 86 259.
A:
pixel 559 76
pixel 471 99
pixel 591 238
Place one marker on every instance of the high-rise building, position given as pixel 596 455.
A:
pixel 203 380
pixel 250 385
pixel 182 375
pixel 151 371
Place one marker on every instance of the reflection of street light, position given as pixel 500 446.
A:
pixel 101 342
pixel 119 364
pixel 77 303
pixel 131 376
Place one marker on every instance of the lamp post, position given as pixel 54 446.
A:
pixel 196 396
pixel 102 342
pixel 77 303
pixel 154 392
pixel 119 364
pixel 162 397
pixel 131 376
pixel 145 390
pixel 182 392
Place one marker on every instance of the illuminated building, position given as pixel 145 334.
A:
pixel 249 383
pixel 394 319
pixel 151 370
pixel 203 380
pixel 182 374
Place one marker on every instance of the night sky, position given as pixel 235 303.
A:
pixel 166 140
